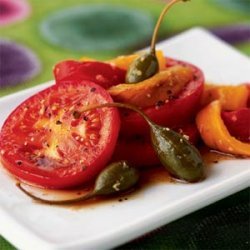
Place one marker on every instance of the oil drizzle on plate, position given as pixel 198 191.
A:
pixel 149 176
pixel 211 156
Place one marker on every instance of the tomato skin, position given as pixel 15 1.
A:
pixel 238 123
pixel 136 152
pixel 175 113
pixel 17 145
pixel 139 151
pixel 101 73
pixel 190 131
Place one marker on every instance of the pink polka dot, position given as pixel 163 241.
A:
pixel 12 11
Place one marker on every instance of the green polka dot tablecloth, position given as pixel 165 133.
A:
pixel 32 40
pixel 56 30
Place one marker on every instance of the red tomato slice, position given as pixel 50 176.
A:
pixel 47 141
pixel 138 149
pixel 190 131
pixel 175 113
pixel 101 73
pixel 238 123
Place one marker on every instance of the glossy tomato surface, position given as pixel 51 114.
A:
pixel 48 141
pixel 104 74
pixel 178 111
pixel 138 149
pixel 238 123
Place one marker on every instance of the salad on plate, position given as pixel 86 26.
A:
pixel 102 123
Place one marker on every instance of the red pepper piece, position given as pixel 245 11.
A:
pixel 238 123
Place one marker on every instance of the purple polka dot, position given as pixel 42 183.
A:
pixel 234 33
pixel 12 11
pixel 18 64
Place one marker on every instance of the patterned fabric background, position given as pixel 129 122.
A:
pixel 35 34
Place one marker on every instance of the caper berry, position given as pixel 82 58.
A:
pixel 115 178
pixel 142 68
pixel 176 154
pixel 147 65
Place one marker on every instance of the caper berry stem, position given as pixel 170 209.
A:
pixel 157 26
pixel 117 177
pixel 56 202
pixel 120 105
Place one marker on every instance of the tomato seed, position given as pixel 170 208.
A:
pixel 76 114
pixel 58 122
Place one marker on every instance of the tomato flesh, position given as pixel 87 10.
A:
pixel 48 141
pixel 101 73
pixel 175 113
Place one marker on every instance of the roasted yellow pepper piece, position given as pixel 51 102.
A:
pixel 85 59
pixel 123 62
pixel 215 134
pixel 160 87
pixel 231 97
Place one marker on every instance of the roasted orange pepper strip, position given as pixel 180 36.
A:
pixel 215 134
pixel 231 97
pixel 123 62
pixel 160 87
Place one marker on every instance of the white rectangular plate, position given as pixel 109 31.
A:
pixel 34 226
